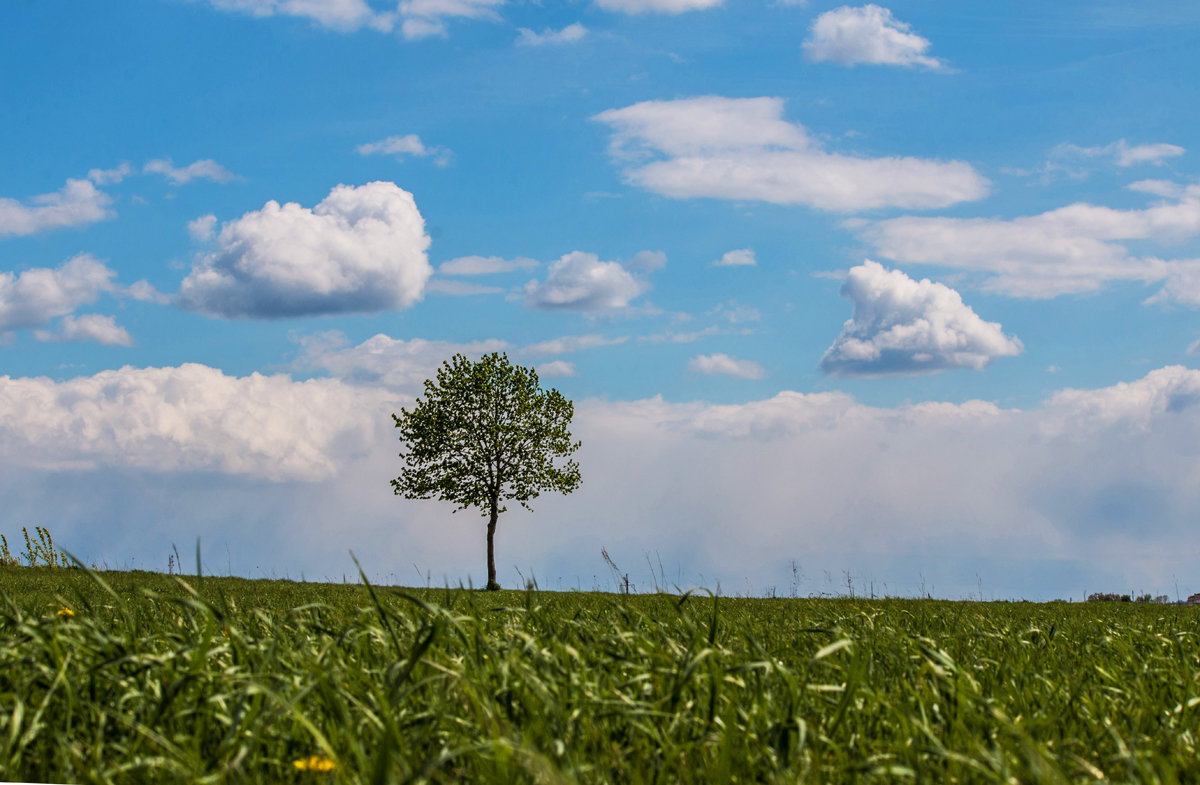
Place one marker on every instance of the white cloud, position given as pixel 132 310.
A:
pixel 205 169
pixel 36 296
pixel 646 261
pixel 556 369
pixel 867 34
pixel 76 203
pixel 568 35
pixel 341 15
pixel 88 327
pixel 143 291
pixel 424 18
pixel 572 343
pixel 1120 151
pixel 1194 348
pixel 1076 248
pixel 1100 486
pixel 385 361
pixel 484 265
pixel 109 176
pixel 191 419
pixel 743 148
pixel 360 250
pixel 201 229
pixel 742 257
pixel 903 327
pixel 407 144
pixel 581 282
pixel 657 6
pixel 726 365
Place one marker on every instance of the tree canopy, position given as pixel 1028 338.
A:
pixel 484 433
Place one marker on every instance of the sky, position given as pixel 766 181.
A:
pixel 849 298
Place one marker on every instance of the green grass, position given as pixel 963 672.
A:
pixel 154 679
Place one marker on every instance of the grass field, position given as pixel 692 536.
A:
pixel 141 677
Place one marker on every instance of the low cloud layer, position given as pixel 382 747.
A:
pixel 580 281
pixel 360 250
pixel 77 203
pixel 903 327
pixel 1077 248
pixel 190 418
pixel 868 35
pixel 1092 490
pixel 743 148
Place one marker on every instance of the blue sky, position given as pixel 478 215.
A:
pixel 904 291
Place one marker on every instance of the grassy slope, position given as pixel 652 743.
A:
pixel 234 681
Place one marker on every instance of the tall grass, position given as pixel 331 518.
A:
pixel 139 677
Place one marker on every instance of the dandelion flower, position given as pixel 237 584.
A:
pixel 315 763
pixel 64 612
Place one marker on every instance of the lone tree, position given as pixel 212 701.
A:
pixel 484 433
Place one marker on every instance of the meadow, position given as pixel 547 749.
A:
pixel 131 677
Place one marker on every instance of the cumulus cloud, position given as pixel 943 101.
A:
pixel 581 282
pixel 743 148
pixel 76 203
pixel 556 369
pixel 205 169
pixel 867 34
pixel 360 250
pixel 36 296
pixel 742 257
pixel 202 229
pixel 902 327
pixel 568 35
pixel 407 144
pixel 188 419
pixel 1077 248
pixel 484 265
pixel 656 6
pixel 88 327
pixel 725 365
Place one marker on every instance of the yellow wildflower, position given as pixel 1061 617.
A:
pixel 315 763
pixel 64 612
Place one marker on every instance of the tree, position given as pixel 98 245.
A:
pixel 485 433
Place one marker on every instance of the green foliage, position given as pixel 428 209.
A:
pixel 485 432
pixel 150 679
pixel 39 551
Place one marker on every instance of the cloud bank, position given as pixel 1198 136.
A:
pixel 743 148
pixel 1094 489
pixel 360 250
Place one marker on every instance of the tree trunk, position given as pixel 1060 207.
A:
pixel 491 546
